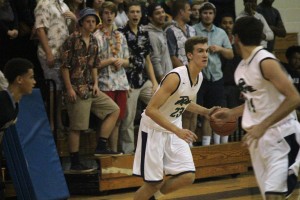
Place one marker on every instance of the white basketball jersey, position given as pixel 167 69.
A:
pixel 175 105
pixel 261 97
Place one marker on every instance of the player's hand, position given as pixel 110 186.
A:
pixel 254 133
pixel 221 115
pixel 211 111
pixel 187 135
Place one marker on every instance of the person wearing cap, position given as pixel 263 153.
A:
pixel 114 56
pixel 160 56
pixel 140 73
pixel 52 29
pixel 212 89
pixel 80 62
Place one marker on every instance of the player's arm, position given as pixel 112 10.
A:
pixel 224 114
pixel 272 71
pixel 168 86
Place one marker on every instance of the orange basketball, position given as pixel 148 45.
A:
pixel 224 129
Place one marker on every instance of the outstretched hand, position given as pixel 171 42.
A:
pixel 221 115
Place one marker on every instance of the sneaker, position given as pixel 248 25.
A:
pixel 106 152
pixel 80 168
pixel 292 183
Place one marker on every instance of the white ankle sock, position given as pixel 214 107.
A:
pixel 206 140
pixel 158 194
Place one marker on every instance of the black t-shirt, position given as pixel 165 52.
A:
pixel 8 112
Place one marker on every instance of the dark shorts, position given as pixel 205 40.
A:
pixel 211 93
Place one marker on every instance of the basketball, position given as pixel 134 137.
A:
pixel 224 129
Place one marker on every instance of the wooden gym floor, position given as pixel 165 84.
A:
pixel 242 187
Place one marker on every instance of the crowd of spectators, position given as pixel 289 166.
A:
pixel 113 54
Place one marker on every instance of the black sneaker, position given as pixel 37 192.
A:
pixel 106 152
pixel 80 168
pixel 292 182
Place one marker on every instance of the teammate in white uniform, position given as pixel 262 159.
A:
pixel 163 146
pixel 273 133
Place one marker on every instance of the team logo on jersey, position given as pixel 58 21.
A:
pixel 243 87
pixel 184 100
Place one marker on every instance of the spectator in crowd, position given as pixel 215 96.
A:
pixel 160 56
pixel 177 33
pixel 273 18
pixel 80 60
pixel 3 82
pixel 96 5
pixel 75 6
pixel 20 76
pixel 250 10
pixel 292 55
pixel 121 17
pixel 52 30
pixel 211 92
pixel 195 16
pixel 8 30
pixel 140 73
pixel 231 91
pixel 114 59
pixel 167 5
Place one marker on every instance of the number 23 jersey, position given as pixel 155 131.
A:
pixel 176 104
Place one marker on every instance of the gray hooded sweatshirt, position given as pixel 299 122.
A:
pixel 160 56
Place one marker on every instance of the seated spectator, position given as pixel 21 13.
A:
pixel 75 6
pixel 96 5
pixel 80 60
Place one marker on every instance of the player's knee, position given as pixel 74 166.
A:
pixel 188 178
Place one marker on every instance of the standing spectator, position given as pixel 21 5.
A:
pixel 9 23
pixel 3 82
pixel 160 56
pixel 140 73
pixel 52 30
pixel 80 60
pixel 273 18
pixel 114 58
pixel 250 10
pixel 211 92
pixel 177 34
pixel 231 91
pixel 292 55
pixel 195 16
pixel 96 5
pixel 167 5
pixel 121 17
pixel 162 146
pixel 273 134
pixel 75 6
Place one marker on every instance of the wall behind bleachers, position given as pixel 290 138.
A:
pixel 289 10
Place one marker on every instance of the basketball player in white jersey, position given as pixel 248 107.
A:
pixel 163 146
pixel 273 133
